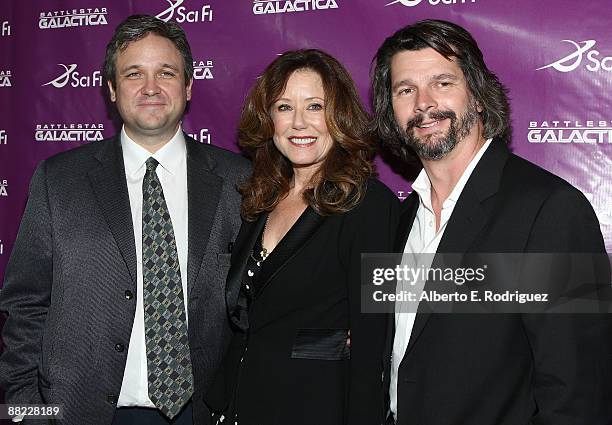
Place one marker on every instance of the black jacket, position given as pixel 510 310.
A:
pixel 296 368
pixel 508 368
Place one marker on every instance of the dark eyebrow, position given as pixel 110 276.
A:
pixel 138 66
pixel 438 77
pixel 284 99
pixel 445 77
pixel 128 68
pixel 399 84
pixel 167 65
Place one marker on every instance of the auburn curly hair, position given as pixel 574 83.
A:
pixel 340 182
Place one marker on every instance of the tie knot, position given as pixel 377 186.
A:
pixel 151 164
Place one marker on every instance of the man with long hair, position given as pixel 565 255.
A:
pixel 436 102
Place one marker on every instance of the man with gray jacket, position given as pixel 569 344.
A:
pixel 115 288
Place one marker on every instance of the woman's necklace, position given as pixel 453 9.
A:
pixel 264 252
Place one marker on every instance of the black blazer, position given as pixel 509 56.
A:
pixel 297 368
pixel 70 285
pixel 504 368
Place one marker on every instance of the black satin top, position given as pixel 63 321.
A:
pixel 251 284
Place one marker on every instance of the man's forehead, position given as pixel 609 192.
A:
pixel 422 57
pixel 150 43
pixel 422 64
pixel 151 49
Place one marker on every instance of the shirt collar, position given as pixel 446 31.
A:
pixel 170 156
pixel 422 184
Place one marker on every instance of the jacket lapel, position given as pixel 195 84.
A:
pixel 409 210
pixel 247 236
pixel 470 214
pixel 110 188
pixel 409 207
pixel 290 245
pixel 203 194
pixel 406 221
pixel 468 218
pixel 203 189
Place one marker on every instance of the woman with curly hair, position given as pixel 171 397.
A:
pixel 303 352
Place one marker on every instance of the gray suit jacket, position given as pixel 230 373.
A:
pixel 70 285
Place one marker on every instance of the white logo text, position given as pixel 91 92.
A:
pixel 183 15
pixel 557 131
pixel 261 7
pixel 203 70
pixel 72 18
pixel 68 132
pixel 412 3
pixel 76 80
pixel 573 60
pixel 203 136
pixel 5 79
pixel 6 28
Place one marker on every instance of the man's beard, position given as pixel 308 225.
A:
pixel 436 146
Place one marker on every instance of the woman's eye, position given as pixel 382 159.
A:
pixel 315 107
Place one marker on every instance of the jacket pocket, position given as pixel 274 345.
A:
pixel 321 344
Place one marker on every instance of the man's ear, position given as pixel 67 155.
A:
pixel 111 90
pixel 188 89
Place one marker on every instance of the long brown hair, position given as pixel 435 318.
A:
pixel 340 182
pixel 452 42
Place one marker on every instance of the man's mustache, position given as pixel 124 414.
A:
pixel 435 115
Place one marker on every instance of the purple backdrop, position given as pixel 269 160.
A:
pixel 555 56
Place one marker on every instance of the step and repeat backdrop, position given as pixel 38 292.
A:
pixel 555 56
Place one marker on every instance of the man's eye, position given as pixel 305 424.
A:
pixel 167 74
pixel 133 75
pixel 405 91
pixel 315 107
pixel 444 84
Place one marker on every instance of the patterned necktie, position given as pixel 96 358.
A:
pixel 168 360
